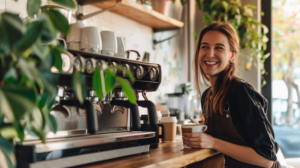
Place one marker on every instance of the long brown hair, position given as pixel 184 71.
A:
pixel 225 78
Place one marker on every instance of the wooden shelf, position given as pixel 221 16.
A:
pixel 141 14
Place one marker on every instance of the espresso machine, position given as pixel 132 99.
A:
pixel 96 130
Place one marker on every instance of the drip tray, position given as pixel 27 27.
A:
pixel 86 140
pixel 90 158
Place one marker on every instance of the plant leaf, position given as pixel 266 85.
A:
pixel 51 122
pixel 207 18
pixel 110 82
pixel 13 26
pixel 251 6
pixel 8 132
pixel 57 58
pixel 128 72
pixel 7 150
pixel 66 3
pixel 33 31
pixel 40 50
pixel 63 25
pixel 98 83
pixel 225 5
pixel 16 101
pixel 128 90
pixel 20 130
pixel 79 85
pixel 33 7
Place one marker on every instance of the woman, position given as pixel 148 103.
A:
pixel 234 111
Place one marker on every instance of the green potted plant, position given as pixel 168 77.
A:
pixel 27 86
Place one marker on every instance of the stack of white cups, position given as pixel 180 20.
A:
pixel 74 38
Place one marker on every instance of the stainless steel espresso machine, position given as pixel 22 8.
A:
pixel 99 129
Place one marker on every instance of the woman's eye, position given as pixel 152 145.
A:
pixel 219 48
pixel 204 47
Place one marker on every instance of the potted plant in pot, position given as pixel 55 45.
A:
pixel 162 6
pixel 27 86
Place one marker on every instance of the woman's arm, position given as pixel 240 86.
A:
pixel 242 153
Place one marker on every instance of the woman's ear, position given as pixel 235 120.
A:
pixel 232 56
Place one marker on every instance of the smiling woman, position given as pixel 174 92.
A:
pixel 234 112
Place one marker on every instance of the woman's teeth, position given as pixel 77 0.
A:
pixel 211 63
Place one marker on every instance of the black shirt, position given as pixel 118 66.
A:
pixel 248 111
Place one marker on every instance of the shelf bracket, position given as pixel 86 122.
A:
pixel 80 15
pixel 166 39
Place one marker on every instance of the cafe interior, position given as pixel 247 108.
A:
pixel 111 83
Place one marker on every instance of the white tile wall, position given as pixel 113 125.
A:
pixel 138 37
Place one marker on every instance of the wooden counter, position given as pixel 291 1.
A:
pixel 167 155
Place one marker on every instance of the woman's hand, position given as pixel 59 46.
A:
pixel 198 140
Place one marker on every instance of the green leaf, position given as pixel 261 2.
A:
pixel 40 50
pixel 79 85
pixel 39 133
pixel 199 4
pixel 110 82
pixel 12 25
pixel 225 17
pixel 30 70
pixel 212 5
pixel 66 3
pixel 128 90
pixel 33 7
pixel 51 121
pixel 11 75
pixel 98 83
pixel 7 150
pixel 207 18
pixel 16 101
pixel 57 58
pixel 46 102
pixel 8 132
pixel 128 72
pixel 33 31
pixel 256 22
pixel 251 6
pixel 233 11
pixel 49 32
pixel 20 130
pixel 55 16
pixel 182 2
pixel 225 5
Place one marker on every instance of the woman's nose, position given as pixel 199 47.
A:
pixel 211 53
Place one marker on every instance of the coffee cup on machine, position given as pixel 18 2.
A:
pixel 109 43
pixel 169 128
pixel 90 39
pixel 74 37
pixel 121 48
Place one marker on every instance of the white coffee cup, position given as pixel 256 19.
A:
pixel 121 48
pixel 191 128
pixel 90 39
pixel 109 43
pixel 165 113
pixel 74 46
pixel 75 32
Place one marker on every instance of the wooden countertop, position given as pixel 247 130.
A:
pixel 167 155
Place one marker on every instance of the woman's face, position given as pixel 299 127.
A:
pixel 215 53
